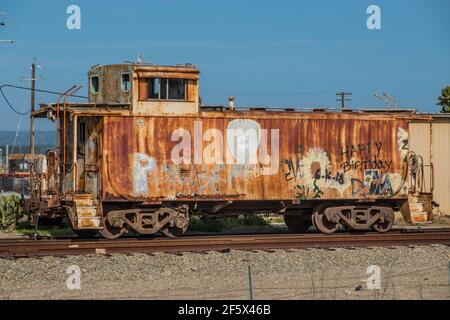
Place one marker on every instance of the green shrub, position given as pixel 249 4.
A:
pixel 220 224
pixel 11 210
pixel 253 220
pixel 197 223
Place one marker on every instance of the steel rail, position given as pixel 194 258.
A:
pixel 63 247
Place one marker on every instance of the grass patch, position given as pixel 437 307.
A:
pixel 274 219
pixel 63 230
pixel 196 223
pixel 47 231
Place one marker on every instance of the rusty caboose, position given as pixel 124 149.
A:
pixel 143 155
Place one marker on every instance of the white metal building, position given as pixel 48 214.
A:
pixel 432 142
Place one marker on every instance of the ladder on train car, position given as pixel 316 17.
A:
pixel 420 194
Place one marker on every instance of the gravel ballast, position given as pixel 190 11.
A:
pixel 406 273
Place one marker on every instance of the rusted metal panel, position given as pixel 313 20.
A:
pixel 110 89
pixel 142 91
pixel 110 80
pixel 165 70
pixel 142 105
pixel 159 108
pixel 88 222
pixel 174 75
pixel 320 156
pixel 192 90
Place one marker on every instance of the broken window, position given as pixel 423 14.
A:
pixel 95 84
pixel 126 83
pixel 165 89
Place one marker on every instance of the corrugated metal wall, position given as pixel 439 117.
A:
pixel 432 142
pixel 313 157
pixel 441 162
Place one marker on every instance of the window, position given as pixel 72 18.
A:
pixel 153 88
pixel 81 133
pixel 95 84
pixel 23 166
pixel 164 83
pixel 177 89
pixel 165 89
pixel 126 83
pixel 81 137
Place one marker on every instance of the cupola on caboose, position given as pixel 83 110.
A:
pixel 144 154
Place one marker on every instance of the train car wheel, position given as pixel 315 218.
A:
pixel 178 227
pixel 385 224
pixel 313 222
pixel 109 231
pixel 173 232
pixel 321 222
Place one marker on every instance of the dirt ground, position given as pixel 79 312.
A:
pixel 406 273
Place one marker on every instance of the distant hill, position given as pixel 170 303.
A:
pixel 44 140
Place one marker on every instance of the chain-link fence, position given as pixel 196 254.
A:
pixel 14 183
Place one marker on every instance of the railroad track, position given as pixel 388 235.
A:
pixel 62 247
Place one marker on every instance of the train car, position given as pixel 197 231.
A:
pixel 143 155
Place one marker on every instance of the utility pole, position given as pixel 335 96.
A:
pixel 33 79
pixel 7 158
pixel 342 98
pixel 33 87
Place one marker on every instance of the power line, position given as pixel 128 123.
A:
pixel 26 88
pixel 9 104
pixel 39 90
pixel 18 127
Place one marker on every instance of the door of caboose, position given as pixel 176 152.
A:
pixel 88 155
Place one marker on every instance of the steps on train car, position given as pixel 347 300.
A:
pixel 420 206
pixel 87 211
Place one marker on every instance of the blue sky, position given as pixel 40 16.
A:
pixel 266 53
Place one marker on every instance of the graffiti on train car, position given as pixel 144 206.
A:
pixel 368 154
pixel 244 147
pixel 374 183
pixel 202 177
pixel 207 160
pixel 362 171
